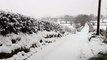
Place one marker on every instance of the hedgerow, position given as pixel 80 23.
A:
pixel 15 23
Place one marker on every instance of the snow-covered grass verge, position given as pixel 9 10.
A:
pixel 98 47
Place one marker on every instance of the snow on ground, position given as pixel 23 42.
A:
pixel 32 42
pixel 97 45
pixel 101 27
pixel 71 47
pixel 75 48
pixel 69 28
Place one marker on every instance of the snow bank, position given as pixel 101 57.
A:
pixel 14 44
pixel 98 47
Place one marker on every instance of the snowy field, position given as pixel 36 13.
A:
pixel 101 27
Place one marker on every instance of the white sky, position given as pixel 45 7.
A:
pixel 40 8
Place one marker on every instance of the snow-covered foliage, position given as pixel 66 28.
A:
pixel 21 34
pixel 13 43
pixel 98 47
pixel 69 28
pixel 15 23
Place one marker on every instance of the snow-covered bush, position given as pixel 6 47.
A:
pixel 15 23
pixel 70 29
pixel 19 33
pixel 13 44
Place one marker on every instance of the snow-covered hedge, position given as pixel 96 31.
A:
pixel 15 23
pixel 19 33
pixel 13 43
pixel 70 29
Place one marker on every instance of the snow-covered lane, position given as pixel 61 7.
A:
pixel 75 48
pixel 72 47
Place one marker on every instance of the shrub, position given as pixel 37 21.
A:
pixel 14 23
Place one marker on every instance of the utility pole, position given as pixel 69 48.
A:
pixel 98 17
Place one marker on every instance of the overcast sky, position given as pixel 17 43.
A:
pixel 40 8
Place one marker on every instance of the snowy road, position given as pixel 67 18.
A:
pixel 71 47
